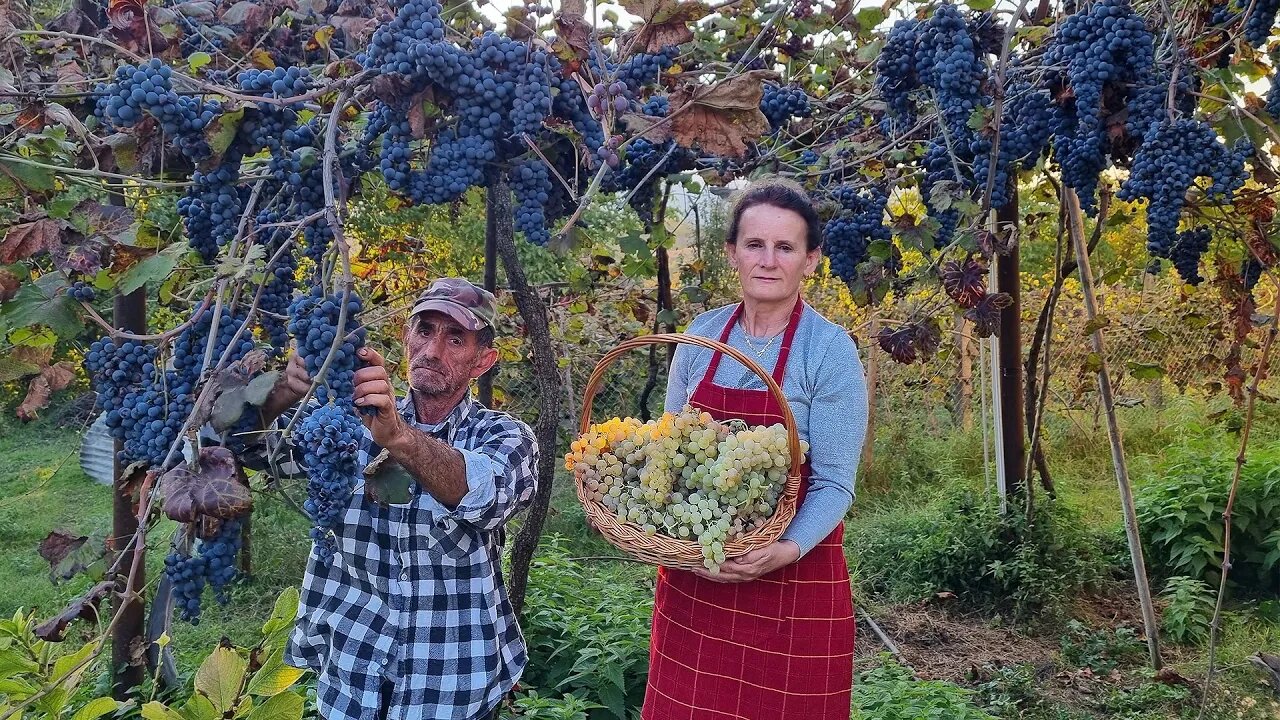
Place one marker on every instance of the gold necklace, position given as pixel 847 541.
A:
pixel 746 337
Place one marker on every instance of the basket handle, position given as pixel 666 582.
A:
pixel 597 377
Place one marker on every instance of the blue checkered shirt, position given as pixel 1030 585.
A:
pixel 414 596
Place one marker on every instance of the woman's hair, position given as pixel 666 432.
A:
pixel 779 193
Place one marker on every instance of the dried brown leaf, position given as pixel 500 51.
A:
pixel 664 22
pixel 720 118
pixel 32 238
pixel 84 607
pixel 215 488
pixel 125 15
pixel 648 127
pixel 9 284
pixel 250 17
pixel 41 388
pixel 573 32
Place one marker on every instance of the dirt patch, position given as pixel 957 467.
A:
pixel 941 645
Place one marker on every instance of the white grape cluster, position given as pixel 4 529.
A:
pixel 685 475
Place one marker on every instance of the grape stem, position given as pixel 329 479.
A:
pixel 1216 625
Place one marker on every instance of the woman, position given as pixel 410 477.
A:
pixel 771 634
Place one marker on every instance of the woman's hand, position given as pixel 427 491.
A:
pixel 755 563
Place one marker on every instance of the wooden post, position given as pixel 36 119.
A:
pixel 1012 414
pixel 1076 228
pixel 128 645
pixel 873 379
pixel 485 382
pixel 963 398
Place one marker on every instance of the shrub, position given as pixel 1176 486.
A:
pixel 889 692
pixel 1100 650
pixel 965 546
pixel 1189 610
pixel 1180 515
pixel 587 628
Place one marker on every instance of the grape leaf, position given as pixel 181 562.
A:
pixel 250 17
pixel 41 387
pixel 573 32
pixel 723 117
pixel 151 269
pixel 220 677
pixel 9 284
pixel 69 555
pixel 31 238
pixel 42 302
pixel 665 22
pixel 84 607
pixel 215 488
pixel 985 315
pixel 965 282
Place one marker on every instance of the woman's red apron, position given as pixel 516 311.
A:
pixel 777 647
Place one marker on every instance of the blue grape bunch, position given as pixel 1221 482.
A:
pixel 531 183
pixel 859 222
pixel 896 76
pixel 1186 252
pixel 313 321
pixel 1172 156
pixel 219 553
pixel 613 97
pixel 780 104
pixel 656 106
pixel 329 438
pixel 947 61
pixel 809 158
pixel 1251 273
pixel 147 89
pixel 81 291
pixel 187 574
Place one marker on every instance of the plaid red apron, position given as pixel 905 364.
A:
pixel 777 647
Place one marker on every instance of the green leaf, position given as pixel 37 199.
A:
pixel 220 678
pixel 285 706
pixel 12 663
pixel 256 392
pixel 198 707
pixel 152 269
pixel 1097 323
pixel 96 708
pixel 980 5
pixel 274 677
pixel 11 369
pixel 635 244
pixel 284 612
pixel 869 17
pixel 222 131
pixel 32 178
pixel 198 60
pixel 1144 371
pixel 42 303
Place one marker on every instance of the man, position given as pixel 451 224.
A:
pixel 410 615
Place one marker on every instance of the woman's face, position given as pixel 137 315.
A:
pixel 770 254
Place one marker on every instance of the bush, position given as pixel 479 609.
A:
pixel 1100 650
pixel 965 546
pixel 889 692
pixel 587 628
pixel 1180 516
pixel 1188 611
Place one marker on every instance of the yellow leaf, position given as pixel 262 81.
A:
pixel 220 678
pixel 274 677
pixel 322 37
pixel 157 711
pixel 96 709
pixel 261 58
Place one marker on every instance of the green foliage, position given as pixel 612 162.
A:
pixel 1147 701
pixel 1100 650
pixel 1189 610
pixel 587 629
pixel 43 677
pixel 251 683
pixel 529 703
pixel 965 546
pixel 889 692
pixel 1009 692
pixel 1181 518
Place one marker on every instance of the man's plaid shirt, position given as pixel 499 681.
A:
pixel 414 594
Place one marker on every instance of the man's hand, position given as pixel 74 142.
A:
pixel 288 390
pixel 754 564
pixel 373 389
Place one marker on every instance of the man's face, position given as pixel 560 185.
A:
pixel 443 356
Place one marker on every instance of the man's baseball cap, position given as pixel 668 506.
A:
pixel 471 305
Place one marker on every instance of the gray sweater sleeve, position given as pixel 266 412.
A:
pixel 837 428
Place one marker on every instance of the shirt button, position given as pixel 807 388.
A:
pixel 404 575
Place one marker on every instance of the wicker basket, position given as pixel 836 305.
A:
pixel 667 551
